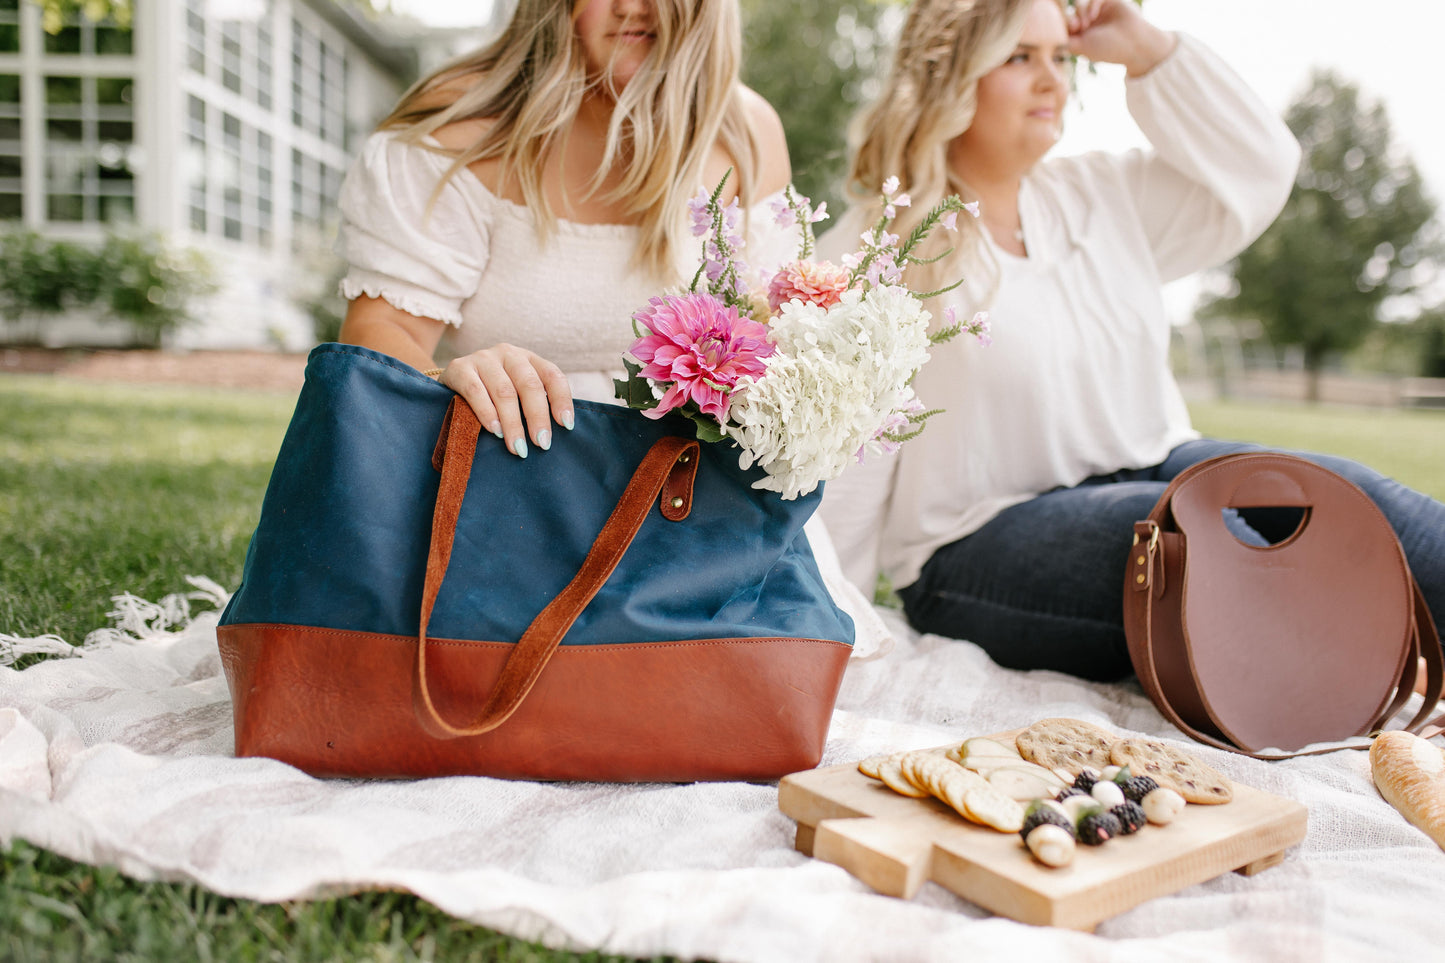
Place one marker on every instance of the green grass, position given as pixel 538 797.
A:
pixel 108 488
pixel 55 909
pixel 1409 446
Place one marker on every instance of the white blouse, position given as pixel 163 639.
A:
pixel 475 261
pixel 1077 379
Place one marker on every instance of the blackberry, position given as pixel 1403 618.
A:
pixel 1068 791
pixel 1138 787
pixel 1040 812
pixel 1130 815
pixel 1099 828
pixel 1085 780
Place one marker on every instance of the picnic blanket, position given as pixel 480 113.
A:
pixel 123 756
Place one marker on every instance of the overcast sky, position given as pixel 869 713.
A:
pixel 1390 48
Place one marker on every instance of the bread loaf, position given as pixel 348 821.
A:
pixel 1410 774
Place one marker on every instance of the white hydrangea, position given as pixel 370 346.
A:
pixel 838 376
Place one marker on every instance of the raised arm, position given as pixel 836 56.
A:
pixel 1222 162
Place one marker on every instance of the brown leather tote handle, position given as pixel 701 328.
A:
pixel 667 470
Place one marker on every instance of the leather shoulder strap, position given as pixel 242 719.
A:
pixel 667 470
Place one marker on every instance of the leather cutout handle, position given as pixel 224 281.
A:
pixel 666 471
pixel 1270 488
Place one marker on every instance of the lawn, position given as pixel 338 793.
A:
pixel 107 488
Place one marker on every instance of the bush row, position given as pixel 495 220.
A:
pixel 129 278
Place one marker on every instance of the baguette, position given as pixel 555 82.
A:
pixel 1410 774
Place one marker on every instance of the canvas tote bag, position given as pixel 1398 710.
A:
pixel 416 601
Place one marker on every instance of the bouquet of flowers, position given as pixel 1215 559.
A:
pixel 811 368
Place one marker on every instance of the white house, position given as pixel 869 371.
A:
pixel 225 124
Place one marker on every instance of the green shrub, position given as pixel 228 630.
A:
pixel 151 285
pixel 136 279
pixel 41 277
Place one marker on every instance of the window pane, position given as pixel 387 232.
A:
pixel 9 89
pixel 9 166
pixel 65 207
pixel 9 4
pixel 64 130
pixel 9 206
pixel 67 41
pixel 114 90
pixel 119 209
pixel 117 130
pixel 62 90
pixel 113 40
pixel 9 38
pixel 9 128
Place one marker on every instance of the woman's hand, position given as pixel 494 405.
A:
pixel 506 385
pixel 1115 32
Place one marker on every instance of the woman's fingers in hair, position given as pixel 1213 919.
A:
pixel 515 393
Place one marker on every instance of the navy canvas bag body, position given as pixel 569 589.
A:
pixel 416 601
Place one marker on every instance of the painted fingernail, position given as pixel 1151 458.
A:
pixel 519 447
pixel 566 419
pixel 495 428
pixel 544 439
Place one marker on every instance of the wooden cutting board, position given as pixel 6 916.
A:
pixel 895 843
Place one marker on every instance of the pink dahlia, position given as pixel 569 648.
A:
pixel 812 282
pixel 699 348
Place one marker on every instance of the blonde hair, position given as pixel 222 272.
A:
pixel 532 80
pixel 928 99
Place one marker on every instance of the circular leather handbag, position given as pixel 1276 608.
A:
pixel 1267 648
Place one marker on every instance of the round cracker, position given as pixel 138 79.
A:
pixel 988 805
pixel 1070 744
pixel 1172 768
pixel 891 773
pixel 869 766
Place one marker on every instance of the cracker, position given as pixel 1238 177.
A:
pixel 1172 768
pixel 965 791
pixel 890 772
pixel 1070 744
pixel 869 766
pixel 988 805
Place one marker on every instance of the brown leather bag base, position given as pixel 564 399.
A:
pixel 1252 648
pixel 340 703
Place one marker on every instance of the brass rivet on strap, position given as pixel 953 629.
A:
pixel 1140 561
pixel 677 501
pixel 1139 579
pixel 684 458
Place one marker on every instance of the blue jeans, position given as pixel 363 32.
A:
pixel 1040 586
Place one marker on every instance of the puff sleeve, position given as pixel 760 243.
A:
pixel 424 262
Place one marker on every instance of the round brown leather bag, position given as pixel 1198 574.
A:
pixel 1259 648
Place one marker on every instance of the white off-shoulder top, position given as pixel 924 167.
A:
pixel 1077 381
pixel 475 262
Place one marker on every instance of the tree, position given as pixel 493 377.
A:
pixel 1350 236
pixel 56 13
pixel 814 61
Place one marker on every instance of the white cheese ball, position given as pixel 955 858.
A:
pixel 1051 845
pixel 1162 805
pixel 1108 794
